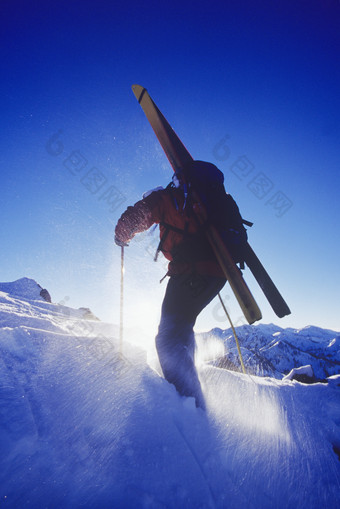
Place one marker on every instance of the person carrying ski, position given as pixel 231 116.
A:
pixel 195 276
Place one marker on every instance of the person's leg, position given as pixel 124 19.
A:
pixel 186 295
pixel 175 344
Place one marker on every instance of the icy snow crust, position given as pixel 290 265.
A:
pixel 82 428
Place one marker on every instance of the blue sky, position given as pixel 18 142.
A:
pixel 250 86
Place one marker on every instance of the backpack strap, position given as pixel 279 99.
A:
pixel 169 227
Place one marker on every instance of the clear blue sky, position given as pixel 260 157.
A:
pixel 250 86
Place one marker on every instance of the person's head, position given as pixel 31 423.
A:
pixel 178 179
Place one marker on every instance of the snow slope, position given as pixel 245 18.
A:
pixel 80 427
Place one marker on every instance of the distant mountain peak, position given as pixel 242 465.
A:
pixel 269 350
pixel 26 288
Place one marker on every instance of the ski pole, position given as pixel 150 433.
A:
pixel 121 326
pixel 235 335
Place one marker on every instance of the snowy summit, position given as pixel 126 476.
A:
pixel 83 426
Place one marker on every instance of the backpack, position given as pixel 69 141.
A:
pixel 222 211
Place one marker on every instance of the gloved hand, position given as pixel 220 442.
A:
pixel 120 243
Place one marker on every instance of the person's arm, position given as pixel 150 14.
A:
pixel 138 218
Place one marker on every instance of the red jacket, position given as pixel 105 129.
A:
pixel 185 246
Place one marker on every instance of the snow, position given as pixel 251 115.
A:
pixel 23 287
pixel 271 350
pixel 83 427
pixel 302 370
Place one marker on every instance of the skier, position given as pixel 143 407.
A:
pixel 195 276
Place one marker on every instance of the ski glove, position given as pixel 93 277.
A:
pixel 120 243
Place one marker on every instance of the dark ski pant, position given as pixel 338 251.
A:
pixel 185 297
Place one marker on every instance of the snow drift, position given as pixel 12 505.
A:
pixel 83 427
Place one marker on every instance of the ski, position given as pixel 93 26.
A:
pixel 178 157
pixel 273 295
pixel 174 149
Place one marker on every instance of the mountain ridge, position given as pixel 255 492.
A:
pixel 270 350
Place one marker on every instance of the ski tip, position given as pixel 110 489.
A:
pixel 139 91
